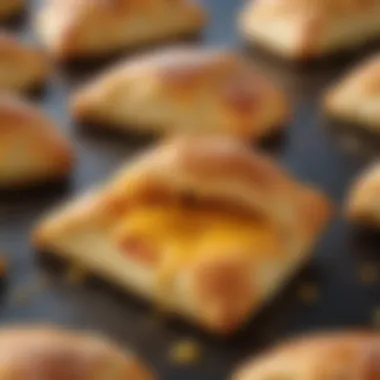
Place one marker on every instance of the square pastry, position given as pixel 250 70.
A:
pixel 189 90
pixel 75 29
pixel 204 228
pixel 306 29
pixel 22 67
pixel 356 98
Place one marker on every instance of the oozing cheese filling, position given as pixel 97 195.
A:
pixel 169 237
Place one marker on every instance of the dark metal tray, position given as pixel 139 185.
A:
pixel 312 148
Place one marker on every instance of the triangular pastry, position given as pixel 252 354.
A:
pixel 203 227
pixel 307 29
pixel 31 148
pixel 329 356
pixel 47 353
pixel 22 67
pixel 356 98
pixel 74 29
pixel 363 203
pixel 187 90
pixel 9 8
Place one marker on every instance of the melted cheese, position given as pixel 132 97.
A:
pixel 181 235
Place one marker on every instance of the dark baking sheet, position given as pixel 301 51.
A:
pixel 312 148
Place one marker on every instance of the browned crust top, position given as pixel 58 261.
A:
pixel 332 356
pixel 46 353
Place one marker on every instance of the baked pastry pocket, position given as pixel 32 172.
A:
pixel 77 29
pixel 334 355
pixel 356 97
pixel 363 200
pixel 203 227
pixel 185 90
pixel 308 29
pixel 32 150
pixel 47 353
pixel 22 67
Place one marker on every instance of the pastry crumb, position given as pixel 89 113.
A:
pixel 368 273
pixel 308 293
pixel 76 275
pixel 186 352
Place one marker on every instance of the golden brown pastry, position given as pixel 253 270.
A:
pixel 9 8
pixel 328 356
pixel 305 29
pixel 21 67
pixel 31 148
pixel 363 203
pixel 46 353
pixel 73 29
pixel 204 227
pixel 185 90
pixel 356 98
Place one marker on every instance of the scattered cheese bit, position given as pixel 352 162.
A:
pixel 368 273
pixel 308 293
pixel 76 275
pixel 186 352
pixel 376 318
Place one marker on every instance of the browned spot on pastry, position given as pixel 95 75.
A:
pixel 225 291
pixel 139 249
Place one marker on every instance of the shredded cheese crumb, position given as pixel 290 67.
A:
pixel 368 273
pixel 308 293
pixel 186 352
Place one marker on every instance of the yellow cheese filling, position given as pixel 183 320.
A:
pixel 180 235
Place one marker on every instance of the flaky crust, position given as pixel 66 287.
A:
pixel 219 292
pixel 46 353
pixel 329 356
pixel 9 8
pixel 310 28
pixel 21 67
pixel 183 89
pixel 363 200
pixel 74 29
pixel 356 97
pixel 31 148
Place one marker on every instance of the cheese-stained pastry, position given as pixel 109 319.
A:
pixel 204 227
pixel 363 201
pixel 31 148
pixel 75 29
pixel 328 356
pixel 182 89
pixel 9 8
pixel 47 353
pixel 356 98
pixel 22 67
pixel 307 29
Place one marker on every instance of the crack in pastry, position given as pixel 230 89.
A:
pixel 22 67
pixel 89 28
pixel 205 228
pixel 31 148
pixel 10 8
pixel 355 98
pixel 332 356
pixel 47 353
pixel 306 29
pixel 363 201
pixel 182 89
